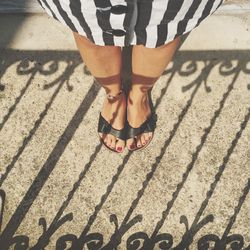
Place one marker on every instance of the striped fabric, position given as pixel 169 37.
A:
pixel 130 22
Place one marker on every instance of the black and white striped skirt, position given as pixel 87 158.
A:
pixel 131 22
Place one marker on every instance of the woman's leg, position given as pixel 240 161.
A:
pixel 146 62
pixel 104 62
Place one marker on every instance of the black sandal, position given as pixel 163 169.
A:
pixel 105 127
pixel 148 126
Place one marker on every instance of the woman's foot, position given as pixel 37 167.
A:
pixel 138 111
pixel 114 112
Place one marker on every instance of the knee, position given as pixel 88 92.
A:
pixel 100 50
pixel 82 40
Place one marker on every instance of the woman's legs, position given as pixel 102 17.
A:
pixel 147 62
pixel 104 62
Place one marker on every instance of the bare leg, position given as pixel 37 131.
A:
pixel 149 62
pixel 103 62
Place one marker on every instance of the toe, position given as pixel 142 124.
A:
pixel 108 141
pixel 120 146
pixel 105 139
pixel 143 140
pixel 113 141
pixel 150 135
pixel 102 136
pixel 131 144
pixel 146 137
pixel 138 141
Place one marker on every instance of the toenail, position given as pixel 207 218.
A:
pixel 119 149
pixel 132 146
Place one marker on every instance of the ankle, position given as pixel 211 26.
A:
pixel 137 98
pixel 114 94
pixel 115 101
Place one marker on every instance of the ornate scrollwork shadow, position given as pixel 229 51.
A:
pixel 229 63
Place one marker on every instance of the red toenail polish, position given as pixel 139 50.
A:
pixel 119 149
pixel 132 146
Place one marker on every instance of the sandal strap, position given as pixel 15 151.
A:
pixel 106 128
pixel 148 126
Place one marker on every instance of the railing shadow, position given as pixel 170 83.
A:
pixel 32 65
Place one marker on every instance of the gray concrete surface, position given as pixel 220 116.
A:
pixel 189 187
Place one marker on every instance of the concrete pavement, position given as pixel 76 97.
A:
pixel 189 188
